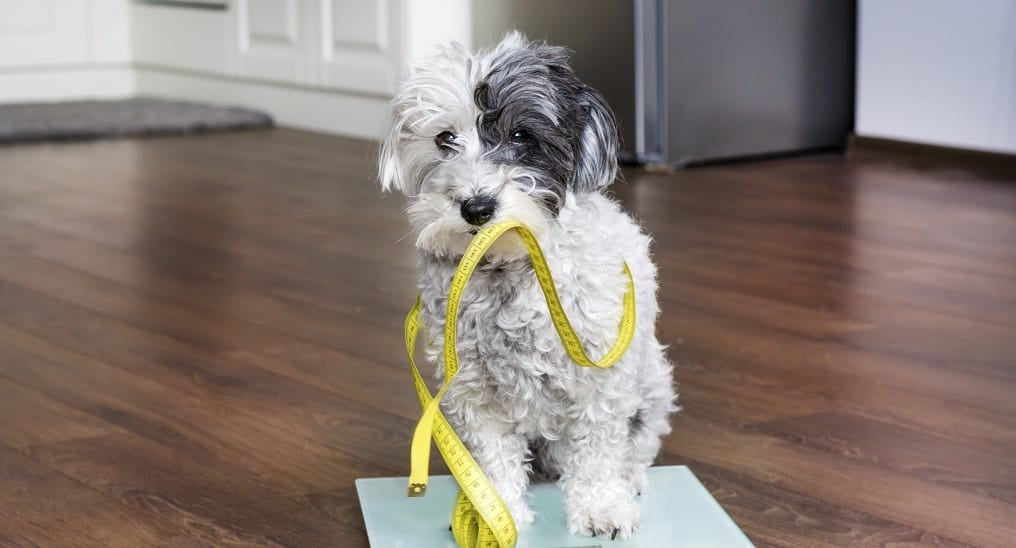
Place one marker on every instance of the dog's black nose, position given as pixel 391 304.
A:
pixel 479 210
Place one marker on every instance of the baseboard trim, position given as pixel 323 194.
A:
pixel 326 111
pixel 334 112
pixel 66 82
pixel 996 163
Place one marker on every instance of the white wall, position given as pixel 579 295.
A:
pixel 939 72
pixel 64 48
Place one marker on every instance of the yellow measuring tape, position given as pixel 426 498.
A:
pixel 480 518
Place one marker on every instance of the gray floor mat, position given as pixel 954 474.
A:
pixel 142 116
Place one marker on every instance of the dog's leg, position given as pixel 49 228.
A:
pixel 644 432
pixel 642 449
pixel 598 494
pixel 503 456
pixel 649 424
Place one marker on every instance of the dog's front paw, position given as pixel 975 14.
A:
pixel 605 517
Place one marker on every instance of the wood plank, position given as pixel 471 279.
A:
pixel 976 410
pixel 968 517
pixel 191 494
pixel 902 450
pixel 41 507
pixel 774 516
pixel 192 415
pixel 41 419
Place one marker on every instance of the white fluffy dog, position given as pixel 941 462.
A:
pixel 511 133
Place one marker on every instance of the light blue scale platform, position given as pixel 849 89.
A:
pixel 677 512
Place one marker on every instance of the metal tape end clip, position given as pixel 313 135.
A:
pixel 417 489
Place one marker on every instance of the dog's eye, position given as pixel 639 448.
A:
pixel 445 139
pixel 521 137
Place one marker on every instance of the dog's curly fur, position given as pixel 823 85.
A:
pixel 514 125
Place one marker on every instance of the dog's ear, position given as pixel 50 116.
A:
pixel 597 146
pixel 596 138
pixel 391 171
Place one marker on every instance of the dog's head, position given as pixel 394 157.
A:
pixel 505 134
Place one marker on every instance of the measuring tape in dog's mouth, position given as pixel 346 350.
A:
pixel 480 518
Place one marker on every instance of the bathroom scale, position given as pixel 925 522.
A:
pixel 677 511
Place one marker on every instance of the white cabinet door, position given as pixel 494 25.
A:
pixel 169 36
pixel 361 45
pixel 275 40
pixel 34 33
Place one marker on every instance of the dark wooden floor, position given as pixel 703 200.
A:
pixel 200 343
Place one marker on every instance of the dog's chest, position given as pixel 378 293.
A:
pixel 511 361
pixel 504 329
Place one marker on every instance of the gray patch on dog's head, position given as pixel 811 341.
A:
pixel 536 113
